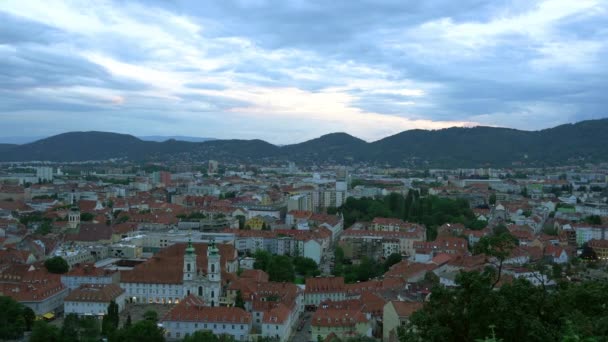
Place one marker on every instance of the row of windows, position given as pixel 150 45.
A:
pixel 207 326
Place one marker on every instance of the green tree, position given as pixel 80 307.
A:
pixel 306 267
pixel 145 330
pixel 151 315
pixel 70 328
pixel 593 219
pixel 56 265
pixel 281 269
pixel 12 321
pixel 29 316
pixel 262 260
pixel 86 217
pixel 241 219
pixel 207 336
pixel 128 322
pixel 239 302
pixel 499 246
pixel 111 319
pixel 391 260
pixel 492 199
pixel 44 332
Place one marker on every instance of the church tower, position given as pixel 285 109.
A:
pixel 189 263
pixel 214 275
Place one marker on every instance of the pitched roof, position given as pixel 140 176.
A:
pixel 95 293
pixel 192 309
pixel 325 284
pixel 406 309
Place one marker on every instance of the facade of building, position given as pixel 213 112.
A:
pixel 193 314
pixel 178 271
pixel 88 274
pixel 93 300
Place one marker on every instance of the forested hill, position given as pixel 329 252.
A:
pixel 586 141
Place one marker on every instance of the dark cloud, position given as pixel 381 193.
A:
pixel 524 74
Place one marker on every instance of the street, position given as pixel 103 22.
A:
pixel 303 335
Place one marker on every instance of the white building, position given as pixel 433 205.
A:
pixel 89 274
pixel 193 314
pixel 93 300
pixel 176 272
pixel 44 173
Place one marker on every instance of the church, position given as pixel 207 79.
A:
pixel 179 271
pixel 206 286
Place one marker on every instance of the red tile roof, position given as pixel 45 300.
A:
pixel 95 293
pixel 192 309
pixel 325 284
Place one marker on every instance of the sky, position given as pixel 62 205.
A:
pixel 288 71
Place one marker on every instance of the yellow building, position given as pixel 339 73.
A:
pixel 343 323
pixel 255 223
pixel 396 314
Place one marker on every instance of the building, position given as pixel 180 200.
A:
pixel 321 289
pixel 378 244
pixel 44 174
pixel 193 314
pixel 82 274
pixel 600 247
pixel 213 168
pixel 300 202
pixel 93 300
pixel 396 314
pixel 178 271
pixel 343 323
pixel 74 218
pixel 35 288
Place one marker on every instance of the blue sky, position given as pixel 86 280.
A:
pixel 287 71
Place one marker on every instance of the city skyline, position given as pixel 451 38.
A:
pixel 292 71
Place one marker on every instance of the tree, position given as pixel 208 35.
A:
pixel 12 321
pixel 306 267
pixel 391 260
pixel 593 219
pixel 44 332
pixel 207 336
pixel 128 322
pixel 238 301
pixel 241 219
pixel 281 269
pixel 29 316
pixel 86 217
pixel 56 265
pixel 151 315
pixel 588 253
pixel 145 330
pixel 262 260
pixel 111 319
pixel 70 328
pixel 492 199
pixel 498 246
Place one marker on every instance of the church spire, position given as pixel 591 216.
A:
pixel 190 248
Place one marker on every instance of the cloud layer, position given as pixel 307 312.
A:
pixel 286 71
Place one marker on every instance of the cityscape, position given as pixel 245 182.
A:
pixel 303 171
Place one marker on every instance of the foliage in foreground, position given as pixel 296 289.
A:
pixel 515 312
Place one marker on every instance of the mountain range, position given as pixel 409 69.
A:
pixel 480 146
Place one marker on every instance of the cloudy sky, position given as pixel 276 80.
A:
pixel 287 71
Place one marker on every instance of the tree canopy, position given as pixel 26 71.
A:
pixel 57 265
pixel 432 211
pixel 516 312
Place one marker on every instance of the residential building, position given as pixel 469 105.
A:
pixel 93 300
pixel 193 314
pixel 396 314
pixel 87 273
